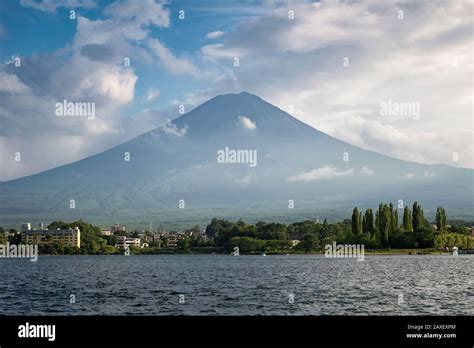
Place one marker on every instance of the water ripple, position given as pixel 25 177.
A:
pixel 244 285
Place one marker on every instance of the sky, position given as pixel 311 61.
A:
pixel 394 77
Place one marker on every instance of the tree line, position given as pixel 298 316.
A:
pixel 383 230
pixel 379 229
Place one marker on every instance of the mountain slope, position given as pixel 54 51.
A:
pixel 179 161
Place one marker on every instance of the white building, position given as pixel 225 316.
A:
pixel 68 236
pixel 105 232
pixel 172 238
pixel 126 242
pixel 118 228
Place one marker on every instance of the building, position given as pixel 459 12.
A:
pixel 127 242
pixel 105 232
pixel 172 238
pixel 68 237
pixel 156 237
pixel 26 226
pixel 118 228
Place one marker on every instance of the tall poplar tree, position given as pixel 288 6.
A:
pixel 441 219
pixel 384 224
pixel 418 218
pixel 393 218
pixel 356 225
pixel 369 222
pixel 407 219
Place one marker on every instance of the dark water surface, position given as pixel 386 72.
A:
pixel 238 285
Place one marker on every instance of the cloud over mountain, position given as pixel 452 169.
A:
pixel 326 172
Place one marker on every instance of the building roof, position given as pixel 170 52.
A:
pixel 61 231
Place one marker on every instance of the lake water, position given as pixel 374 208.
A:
pixel 238 285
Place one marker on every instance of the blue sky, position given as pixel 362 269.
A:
pixel 404 52
pixel 35 31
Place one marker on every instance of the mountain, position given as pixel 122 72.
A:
pixel 324 176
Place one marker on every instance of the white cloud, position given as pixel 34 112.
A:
pixel 246 180
pixel 214 34
pixel 201 166
pixel 410 176
pixel 113 83
pixel 247 123
pixel 175 65
pixel 172 128
pixel 433 42
pixel 152 94
pixel 367 171
pixel 146 12
pixel 77 73
pixel 52 5
pixel 325 172
pixel 219 51
pixel 10 83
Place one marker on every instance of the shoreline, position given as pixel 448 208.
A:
pixel 393 252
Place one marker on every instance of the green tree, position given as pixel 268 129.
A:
pixel 213 229
pixel 276 245
pixel 91 238
pixel 418 218
pixel 3 239
pixel 401 239
pixel 325 225
pixel 393 218
pixel 271 231
pixel 58 248
pixel 384 217
pixel 459 229
pixel 355 222
pixel 15 237
pixel 468 242
pixel 308 243
pixel 111 240
pixel 441 241
pixel 109 249
pixel 369 227
pixel 407 219
pixel 441 219
pixel 424 237
pixel 184 244
pixel 378 217
pixel 246 245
